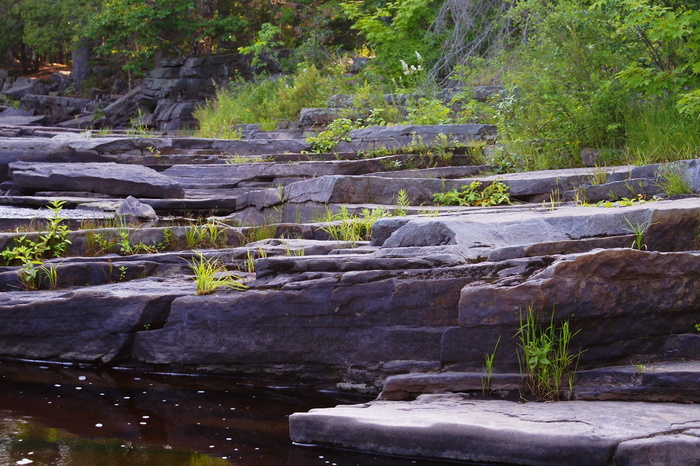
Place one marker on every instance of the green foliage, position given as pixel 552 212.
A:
pixel 338 130
pixel 134 30
pixel 472 195
pixel 402 203
pixel 662 44
pixel 564 91
pixel 52 242
pixel 264 42
pixel 210 274
pixel 657 132
pixel 208 235
pixel 545 355
pixel 266 101
pixel 428 112
pixel 620 76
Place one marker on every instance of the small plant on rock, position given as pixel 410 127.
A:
pixel 488 367
pixel 545 355
pixel 472 195
pixel 402 203
pixel 638 230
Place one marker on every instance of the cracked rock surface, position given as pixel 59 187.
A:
pixel 453 427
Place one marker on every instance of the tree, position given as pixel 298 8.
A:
pixel 396 30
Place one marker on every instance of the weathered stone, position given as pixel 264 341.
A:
pixel 172 114
pixel 403 135
pixel 453 428
pixel 15 120
pixel 107 178
pixel 57 108
pixel 672 381
pixel 408 386
pixel 24 86
pixel 310 117
pixel 623 301
pixel 363 318
pixel 615 190
pixel 482 234
pixel 94 324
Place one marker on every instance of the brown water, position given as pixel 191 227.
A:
pixel 59 415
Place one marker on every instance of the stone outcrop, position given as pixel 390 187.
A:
pixel 170 92
pixel 92 325
pixel 105 178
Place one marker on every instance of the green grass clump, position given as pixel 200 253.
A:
pixel 673 181
pixel 209 275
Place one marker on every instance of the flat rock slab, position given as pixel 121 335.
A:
pixel 518 233
pixel 104 178
pixel 17 120
pixel 455 428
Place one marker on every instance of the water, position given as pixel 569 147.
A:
pixel 59 415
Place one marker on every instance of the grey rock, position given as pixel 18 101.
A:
pixel 173 114
pixel 450 427
pixel 11 111
pixel 620 299
pixel 364 318
pixel 402 135
pixel 106 178
pixel 132 209
pixel 407 386
pixel 616 190
pixel 11 120
pixel 310 117
pixel 480 234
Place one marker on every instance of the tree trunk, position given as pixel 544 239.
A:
pixel 81 62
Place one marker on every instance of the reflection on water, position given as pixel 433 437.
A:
pixel 58 415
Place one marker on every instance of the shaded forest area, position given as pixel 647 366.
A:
pixel 618 75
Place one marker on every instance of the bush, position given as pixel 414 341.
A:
pixel 563 90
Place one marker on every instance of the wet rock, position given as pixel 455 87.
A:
pixel 106 178
pixel 361 317
pixel 94 324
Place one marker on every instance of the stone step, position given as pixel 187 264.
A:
pixel 669 381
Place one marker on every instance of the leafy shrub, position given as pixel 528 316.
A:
pixel 338 130
pixel 472 195
pixel 564 94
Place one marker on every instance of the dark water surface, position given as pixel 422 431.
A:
pixel 61 415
